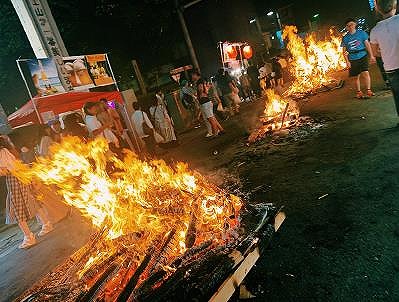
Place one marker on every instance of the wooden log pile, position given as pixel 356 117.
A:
pixel 208 271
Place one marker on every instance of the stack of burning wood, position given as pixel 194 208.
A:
pixel 162 228
pixel 208 271
pixel 279 113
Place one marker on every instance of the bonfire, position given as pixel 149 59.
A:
pixel 138 207
pixel 313 60
pixel 279 113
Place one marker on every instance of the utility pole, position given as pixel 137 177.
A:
pixel 139 77
pixel 187 38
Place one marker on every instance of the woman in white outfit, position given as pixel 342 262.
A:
pixel 162 121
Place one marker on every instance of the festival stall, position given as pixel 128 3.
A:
pixel 50 106
pixel 58 86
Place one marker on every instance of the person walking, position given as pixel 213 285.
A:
pixel 384 38
pixel 246 86
pixel 277 70
pixel 21 205
pixel 206 103
pixel 229 92
pixel 356 47
pixel 253 74
pixel 162 121
pixel 144 128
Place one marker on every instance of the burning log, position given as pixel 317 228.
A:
pixel 218 267
pixel 125 293
pixel 223 266
pixel 279 113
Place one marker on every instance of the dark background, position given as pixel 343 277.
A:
pixel 150 32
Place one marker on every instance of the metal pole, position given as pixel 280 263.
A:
pixel 139 77
pixel 278 20
pixel 191 3
pixel 186 34
pixel 221 53
pixel 30 94
pixel 262 36
pixel 112 72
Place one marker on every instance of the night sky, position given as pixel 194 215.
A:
pixel 149 31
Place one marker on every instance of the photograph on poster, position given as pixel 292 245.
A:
pixel 44 76
pixel 78 73
pixel 99 69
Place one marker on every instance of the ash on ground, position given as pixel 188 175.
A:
pixel 304 127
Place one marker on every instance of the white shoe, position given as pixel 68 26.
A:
pixel 28 242
pixel 208 135
pixel 46 228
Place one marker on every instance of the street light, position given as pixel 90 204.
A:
pixel 316 15
pixel 270 13
pixel 252 20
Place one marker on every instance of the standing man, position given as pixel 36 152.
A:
pixel 356 47
pixel 385 38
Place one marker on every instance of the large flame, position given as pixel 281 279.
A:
pixel 146 199
pixel 312 59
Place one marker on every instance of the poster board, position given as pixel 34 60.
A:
pixel 84 72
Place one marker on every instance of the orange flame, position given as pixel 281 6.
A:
pixel 278 113
pixel 134 196
pixel 312 59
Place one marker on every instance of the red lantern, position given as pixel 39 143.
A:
pixel 247 52
pixel 231 52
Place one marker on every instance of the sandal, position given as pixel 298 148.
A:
pixel 370 93
pixel 28 242
pixel 46 228
pixel 359 95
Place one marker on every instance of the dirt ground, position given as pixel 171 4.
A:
pixel 339 187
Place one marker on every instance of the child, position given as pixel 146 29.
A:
pixel 20 203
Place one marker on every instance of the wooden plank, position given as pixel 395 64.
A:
pixel 229 286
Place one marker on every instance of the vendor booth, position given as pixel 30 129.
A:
pixel 46 108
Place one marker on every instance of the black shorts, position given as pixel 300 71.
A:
pixel 358 66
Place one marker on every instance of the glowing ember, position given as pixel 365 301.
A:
pixel 312 60
pixel 279 113
pixel 137 202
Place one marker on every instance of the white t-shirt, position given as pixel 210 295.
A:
pixel 386 35
pixel 137 120
pixel 92 123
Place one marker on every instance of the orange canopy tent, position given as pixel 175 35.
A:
pixel 57 104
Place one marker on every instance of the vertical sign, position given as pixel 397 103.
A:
pixel 38 12
pixel 42 32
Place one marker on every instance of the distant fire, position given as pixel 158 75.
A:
pixel 136 203
pixel 312 59
pixel 279 113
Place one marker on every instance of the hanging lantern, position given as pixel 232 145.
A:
pixel 247 52
pixel 231 52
